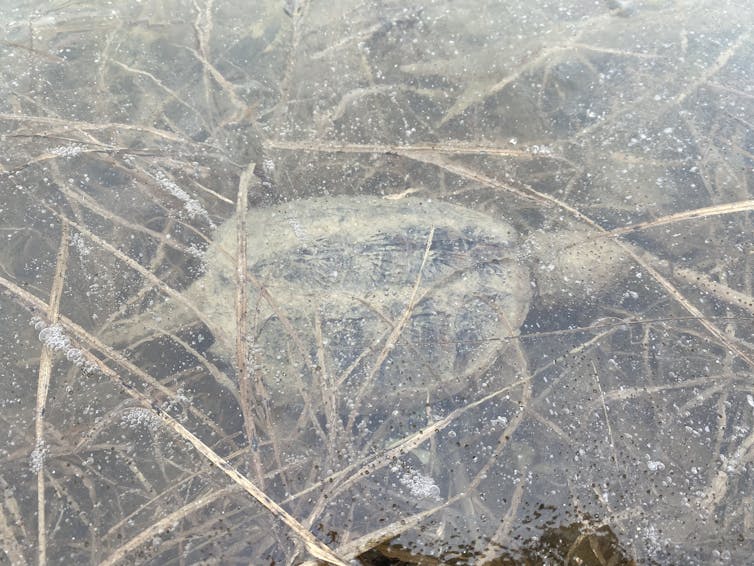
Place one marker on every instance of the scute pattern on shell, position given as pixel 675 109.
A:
pixel 384 301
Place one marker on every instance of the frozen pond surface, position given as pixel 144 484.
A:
pixel 493 265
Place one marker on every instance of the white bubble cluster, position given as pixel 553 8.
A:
pixel 420 485
pixel 138 417
pixel 298 230
pixel 53 336
pixel 38 456
pixel 79 244
pixel 67 150
pixel 192 206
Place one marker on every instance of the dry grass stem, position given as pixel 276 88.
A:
pixel 439 283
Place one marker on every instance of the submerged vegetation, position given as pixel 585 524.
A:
pixel 608 420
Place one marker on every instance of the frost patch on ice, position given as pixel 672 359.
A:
pixel 53 336
pixel 420 485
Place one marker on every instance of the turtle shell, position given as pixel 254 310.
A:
pixel 375 301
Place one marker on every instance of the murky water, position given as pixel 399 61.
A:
pixel 495 282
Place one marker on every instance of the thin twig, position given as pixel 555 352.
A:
pixel 242 325
pixel 43 386
pixel 313 545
